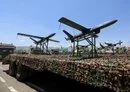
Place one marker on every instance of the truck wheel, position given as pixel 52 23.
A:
pixel 12 68
pixel 21 72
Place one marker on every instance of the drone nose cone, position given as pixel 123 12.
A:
pixel 114 21
pixel 110 23
pixel 53 34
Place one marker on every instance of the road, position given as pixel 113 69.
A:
pixel 10 84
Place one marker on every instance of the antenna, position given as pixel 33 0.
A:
pixel 59 26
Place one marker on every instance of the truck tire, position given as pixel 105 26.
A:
pixel 12 68
pixel 21 72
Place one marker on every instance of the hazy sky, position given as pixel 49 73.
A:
pixel 40 17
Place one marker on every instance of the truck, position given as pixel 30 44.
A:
pixel 6 49
pixel 111 72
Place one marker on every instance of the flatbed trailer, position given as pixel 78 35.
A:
pixel 111 72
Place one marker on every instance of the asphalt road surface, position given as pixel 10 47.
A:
pixel 43 82
pixel 10 84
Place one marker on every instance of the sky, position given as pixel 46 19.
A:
pixel 40 17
